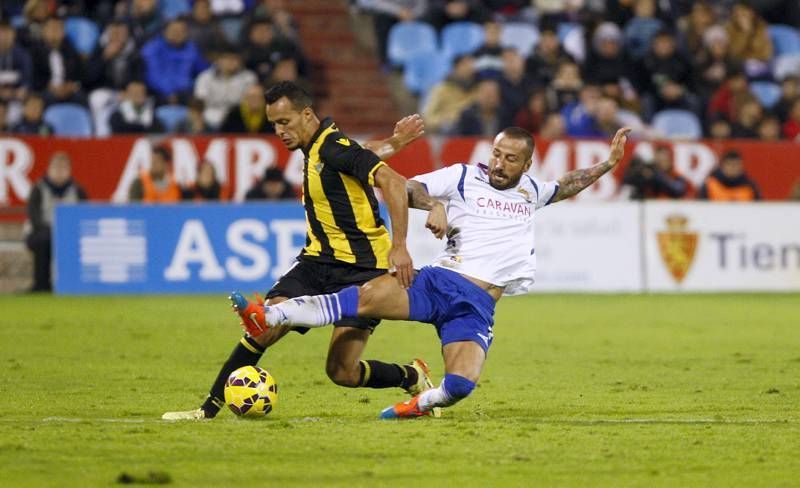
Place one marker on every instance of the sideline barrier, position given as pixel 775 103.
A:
pixel 581 247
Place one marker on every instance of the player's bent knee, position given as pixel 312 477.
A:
pixel 342 376
pixel 457 387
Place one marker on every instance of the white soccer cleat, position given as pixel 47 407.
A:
pixel 198 414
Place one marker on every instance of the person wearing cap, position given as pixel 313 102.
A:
pixel 606 62
pixel 156 185
pixel 729 182
pixel 222 86
pixel 271 187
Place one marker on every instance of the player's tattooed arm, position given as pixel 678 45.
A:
pixel 574 182
pixel 406 130
pixel 419 198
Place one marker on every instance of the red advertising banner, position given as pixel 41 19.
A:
pixel 106 167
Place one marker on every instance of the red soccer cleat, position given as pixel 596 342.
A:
pixel 252 313
pixel 407 409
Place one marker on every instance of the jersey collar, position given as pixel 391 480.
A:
pixel 326 122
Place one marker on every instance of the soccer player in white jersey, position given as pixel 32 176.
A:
pixel 487 213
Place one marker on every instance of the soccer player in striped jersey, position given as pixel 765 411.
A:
pixel 487 213
pixel 347 243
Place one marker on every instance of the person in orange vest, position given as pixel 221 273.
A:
pixel 156 185
pixel 729 182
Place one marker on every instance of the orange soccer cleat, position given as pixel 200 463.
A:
pixel 252 314
pixel 407 409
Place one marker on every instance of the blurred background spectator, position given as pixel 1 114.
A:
pixel 222 86
pixel 271 187
pixel 195 122
pixel 386 13
pixel 156 185
pixel 57 186
pixel 136 113
pixel 16 70
pixel 172 62
pixel 206 186
pixel 32 122
pixel 729 182
pixel 656 178
pixel 249 115
pixel 57 67
pixel 450 97
pixel 485 117
pixel 115 61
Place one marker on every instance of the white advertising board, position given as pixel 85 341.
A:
pixel 696 246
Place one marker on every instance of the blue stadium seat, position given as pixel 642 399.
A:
pixel 520 36
pixel 768 93
pixel 786 65
pixel 171 116
pixel 407 39
pixel 69 119
pixel 564 28
pixel 424 70
pixel 677 124
pixel 83 33
pixel 461 38
pixel 174 8
pixel 785 39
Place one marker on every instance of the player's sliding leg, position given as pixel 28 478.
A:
pixel 247 352
pixel 463 363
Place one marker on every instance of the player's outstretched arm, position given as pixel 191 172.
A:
pixel 406 130
pixel 574 182
pixel 419 198
pixel 393 188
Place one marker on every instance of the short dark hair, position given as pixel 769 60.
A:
pixel 731 154
pixel 300 98
pixel 164 152
pixel 523 135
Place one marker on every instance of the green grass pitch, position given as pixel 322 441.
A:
pixel 579 390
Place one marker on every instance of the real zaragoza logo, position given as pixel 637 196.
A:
pixel 677 246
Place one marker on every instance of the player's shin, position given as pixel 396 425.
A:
pixel 453 389
pixel 246 353
pixel 314 311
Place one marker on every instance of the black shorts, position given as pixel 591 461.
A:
pixel 307 277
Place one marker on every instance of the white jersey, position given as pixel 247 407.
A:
pixel 490 232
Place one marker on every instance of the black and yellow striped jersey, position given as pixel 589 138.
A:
pixel 342 219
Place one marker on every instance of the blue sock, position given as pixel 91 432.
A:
pixel 348 302
pixel 457 387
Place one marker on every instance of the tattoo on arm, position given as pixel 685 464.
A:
pixel 418 196
pixel 574 182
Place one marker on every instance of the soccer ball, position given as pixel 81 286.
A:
pixel 251 392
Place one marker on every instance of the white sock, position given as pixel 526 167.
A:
pixel 435 397
pixel 307 311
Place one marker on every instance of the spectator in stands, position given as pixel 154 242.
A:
pixel 551 12
pixel 547 57
pixel 694 27
pixel 566 85
pixel 606 118
pixel 57 67
pixel 514 84
pixel 156 185
pixel 657 178
pixel 443 12
pixel 115 61
pixel 769 129
pixel 4 127
pixel 450 97
pixel 386 13
pixel 135 114
pixel 222 86
pixel 719 128
pixel 489 57
pixel 286 70
pixel 194 123
pixel 579 116
pixel 16 71
pixel 249 116
pixel 531 117
pixel 229 7
pixel 729 182
pixel 485 117
pixel 272 186
pixel 606 62
pixel 57 186
pixel 32 122
pixel 553 127
pixel 748 116
pixel 725 100
pixel 204 29
pixel 144 19
pixel 790 91
pixel 263 48
pixel 749 37
pixel 171 63
pixel 791 128
pixel 282 19
pixel 665 77
pixel 639 30
pixel 206 187
pixel 713 63
pixel 36 13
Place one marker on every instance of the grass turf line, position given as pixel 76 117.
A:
pixel 578 389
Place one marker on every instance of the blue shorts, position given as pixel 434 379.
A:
pixel 460 310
